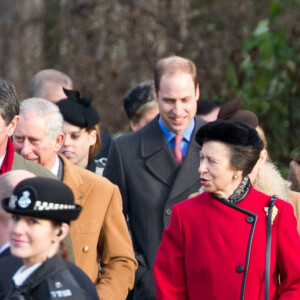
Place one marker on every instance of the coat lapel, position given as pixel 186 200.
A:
pixel 188 172
pixel 158 157
pixel 72 178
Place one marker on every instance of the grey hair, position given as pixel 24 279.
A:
pixel 45 77
pixel 39 107
pixel 9 103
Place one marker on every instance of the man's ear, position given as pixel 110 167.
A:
pixel 59 141
pixel 12 125
pixel 197 91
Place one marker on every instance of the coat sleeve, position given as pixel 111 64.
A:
pixel 288 255
pixel 118 263
pixel 169 267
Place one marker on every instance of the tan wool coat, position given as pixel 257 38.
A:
pixel 100 233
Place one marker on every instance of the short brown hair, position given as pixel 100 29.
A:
pixel 171 65
pixel 243 158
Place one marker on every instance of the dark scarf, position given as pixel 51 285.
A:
pixel 9 158
pixel 240 193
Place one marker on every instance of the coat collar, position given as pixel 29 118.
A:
pixel 161 162
pixel 72 177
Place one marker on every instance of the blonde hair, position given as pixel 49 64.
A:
pixel 171 65
pixel 262 136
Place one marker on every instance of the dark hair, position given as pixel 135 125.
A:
pixel 171 65
pixel 9 103
pixel 243 158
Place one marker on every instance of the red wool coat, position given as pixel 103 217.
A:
pixel 214 250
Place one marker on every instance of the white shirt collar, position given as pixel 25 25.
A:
pixel 4 247
pixel 55 168
pixel 22 274
pixel 2 159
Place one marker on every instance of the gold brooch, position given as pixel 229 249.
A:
pixel 274 213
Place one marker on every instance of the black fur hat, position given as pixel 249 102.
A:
pixel 43 198
pixel 230 132
pixel 78 110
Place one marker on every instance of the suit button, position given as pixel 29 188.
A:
pixel 168 211
pixel 250 220
pixel 240 269
pixel 85 249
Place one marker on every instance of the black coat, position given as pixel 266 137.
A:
pixel 151 182
pixel 70 275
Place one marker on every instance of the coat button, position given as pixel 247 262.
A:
pixel 250 220
pixel 85 249
pixel 240 269
pixel 168 211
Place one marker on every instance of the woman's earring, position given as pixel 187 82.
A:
pixel 235 176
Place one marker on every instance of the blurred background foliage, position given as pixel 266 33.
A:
pixel 248 48
pixel 267 76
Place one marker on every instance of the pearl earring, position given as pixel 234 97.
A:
pixel 235 176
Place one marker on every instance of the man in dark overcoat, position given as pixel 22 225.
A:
pixel 156 166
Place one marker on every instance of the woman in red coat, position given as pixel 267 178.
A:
pixel 215 246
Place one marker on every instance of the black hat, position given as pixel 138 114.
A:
pixel 207 105
pixel 43 198
pixel 138 96
pixel 230 132
pixel 78 110
pixel 231 111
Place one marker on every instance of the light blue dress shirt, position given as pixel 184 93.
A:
pixel 169 135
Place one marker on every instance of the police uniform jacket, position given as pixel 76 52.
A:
pixel 215 250
pixel 100 233
pixel 151 182
pixel 52 280
pixel 10 264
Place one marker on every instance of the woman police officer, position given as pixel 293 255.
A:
pixel 41 210
pixel 217 246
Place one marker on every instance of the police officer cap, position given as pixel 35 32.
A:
pixel 231 111
pixel 138 96
pixel 230 132
pixel 43 198
pixel 78 110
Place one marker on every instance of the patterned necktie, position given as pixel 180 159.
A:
pixel 177 151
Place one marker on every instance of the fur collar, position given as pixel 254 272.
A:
pixel 270 182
